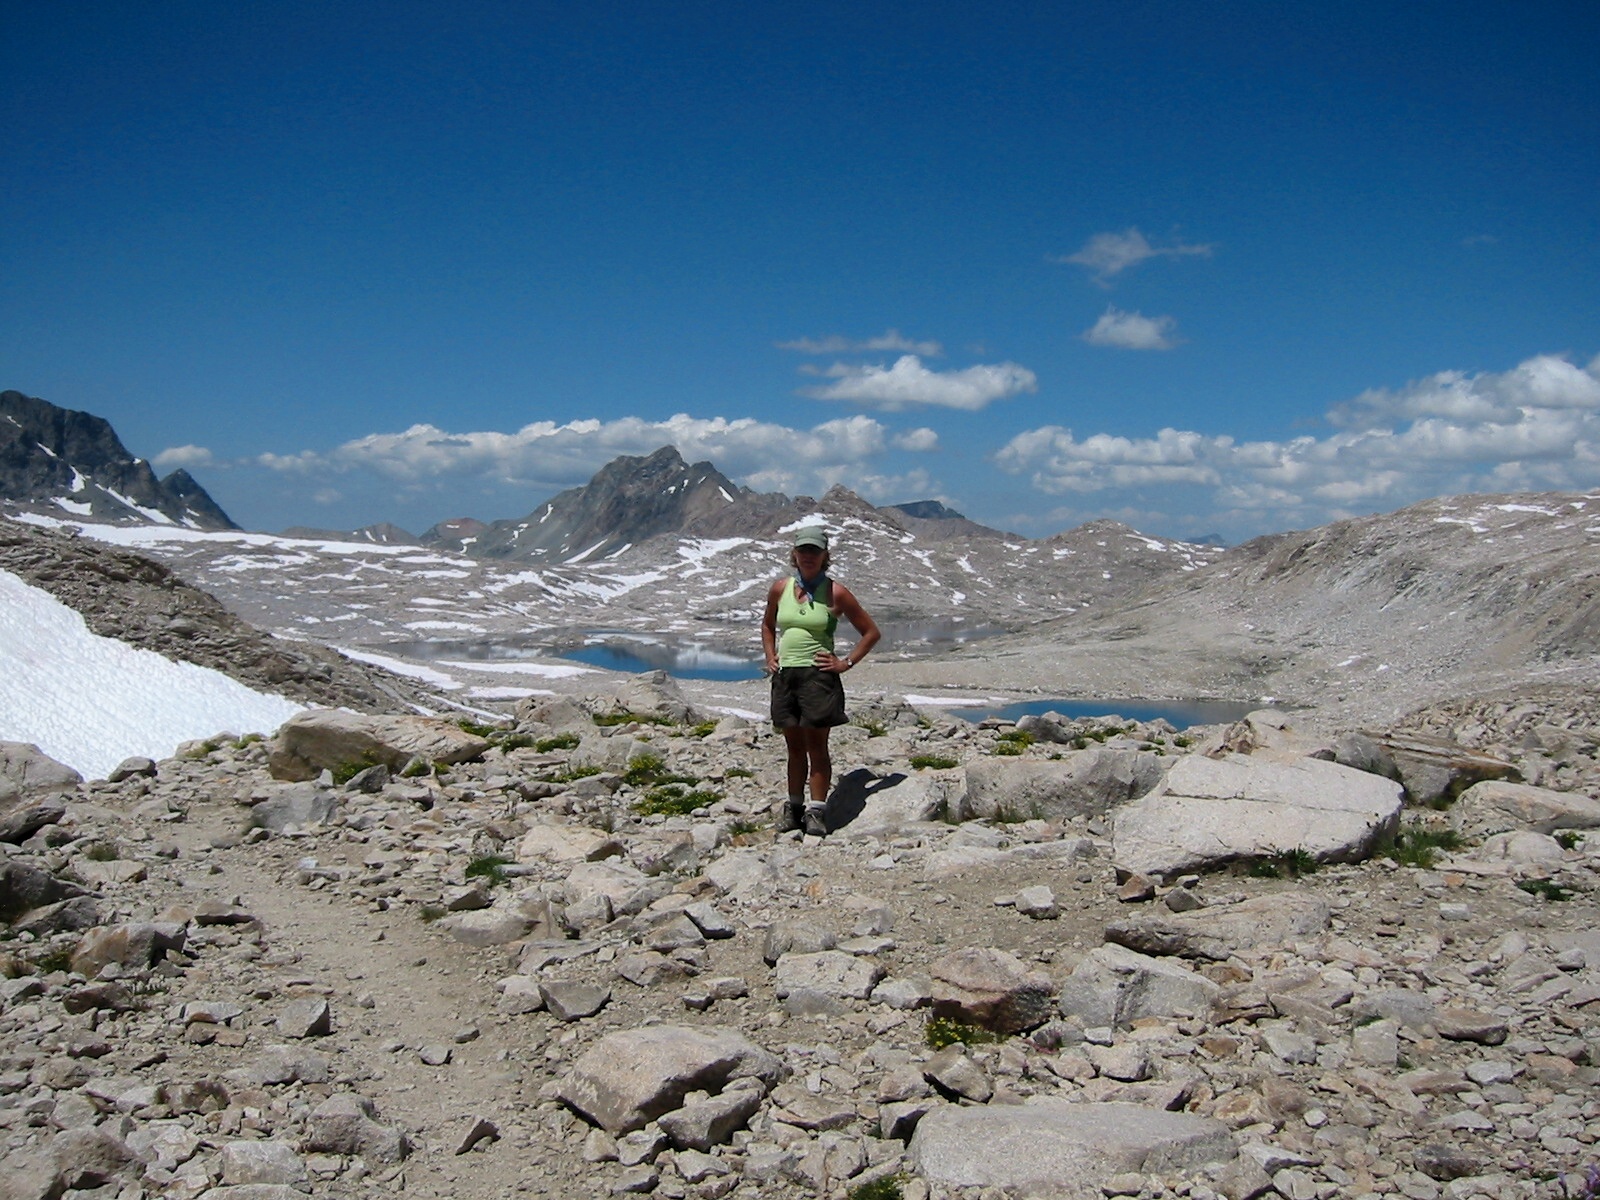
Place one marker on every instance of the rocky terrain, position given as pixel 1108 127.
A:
pixel 566 956
pixel 1357 622
pixel 549 943
pixel 929 590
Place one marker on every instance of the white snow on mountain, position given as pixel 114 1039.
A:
pixel 90 701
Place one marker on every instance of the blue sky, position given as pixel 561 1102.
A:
pixel 1223 267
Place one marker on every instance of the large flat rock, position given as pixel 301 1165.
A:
pixel 1496 806
pixel 1208 812
pixel 1220 931
pixel 1081 784
pixel 1116 986
pixel 870 805
pixel 1050 1147
pixel 326 738
pixel 630 1078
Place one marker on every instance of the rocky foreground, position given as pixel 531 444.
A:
pixel 568 957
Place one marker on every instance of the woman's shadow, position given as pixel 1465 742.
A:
pixel 851 793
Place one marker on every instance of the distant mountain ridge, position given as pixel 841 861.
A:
pixel 1452 597
pixel 1449 597
pixel 628 501
pixel 59 461
pixel 634 499
pixel 928 510
pixel 646 536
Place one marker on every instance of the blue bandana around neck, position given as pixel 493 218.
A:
pixel 810 589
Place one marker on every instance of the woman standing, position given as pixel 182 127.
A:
pixel 807 689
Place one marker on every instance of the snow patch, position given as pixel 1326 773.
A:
pixel 90 701
pixel 954 701
pixel 134 536
pixel 745 713
pixel 537 669
pixel 699 550
pixel 438 679
pixel 153 515
pixel 815 518
pixel 1533 508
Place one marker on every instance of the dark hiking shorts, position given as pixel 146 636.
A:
pixel 808 698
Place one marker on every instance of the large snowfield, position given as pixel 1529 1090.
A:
pixel 90 701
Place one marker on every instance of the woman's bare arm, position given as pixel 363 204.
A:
pixel 769 625
pixel 868 634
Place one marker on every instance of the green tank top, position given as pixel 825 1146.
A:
pixel 804 626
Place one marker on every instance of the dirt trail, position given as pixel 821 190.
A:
pixel 395 989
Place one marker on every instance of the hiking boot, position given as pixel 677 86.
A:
pixel 790 817
pixel 816 822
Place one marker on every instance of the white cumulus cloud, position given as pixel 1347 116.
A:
pixel 1108 254
pixel 1534 427
pixel 908 383
pixel 890 340
pixel 174 457
pixel 1546 381
pixel 545 456
pixel 1132 331
pixel 919 440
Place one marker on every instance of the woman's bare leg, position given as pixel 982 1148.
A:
pixel 810 765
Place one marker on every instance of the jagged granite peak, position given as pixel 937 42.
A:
pixel 56 460
pixel 196 501
pixel 630 500
pixel 936 521
pixel 929 510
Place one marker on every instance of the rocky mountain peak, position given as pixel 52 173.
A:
pixel 56 459
pixel 630 500
pixel 929 510
pixel 842 500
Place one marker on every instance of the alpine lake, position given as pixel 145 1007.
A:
pixel 635 653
